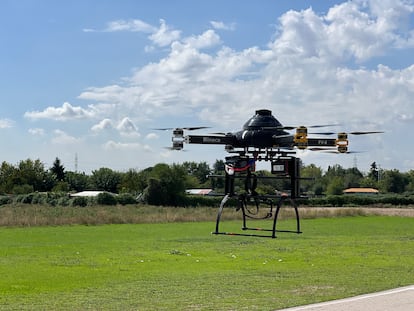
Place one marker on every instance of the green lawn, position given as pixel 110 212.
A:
pixel 181 266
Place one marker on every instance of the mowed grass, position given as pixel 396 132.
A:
pixel 181 266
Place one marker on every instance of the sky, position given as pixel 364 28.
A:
pixel 87 81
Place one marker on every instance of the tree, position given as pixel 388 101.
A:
pixel 33 173
pixel 335 186
pixel 199 170
pixel 105 179
pixel 8 176
pixel 58 170
pixel 77 181
pixel 218 169
pixel 352 177
pixel 166 185
pixel 373 172
pixel 133 181
pixel 314 185
pixel 410 181
pixel 393 181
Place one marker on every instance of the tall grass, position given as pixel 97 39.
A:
pixel 46 215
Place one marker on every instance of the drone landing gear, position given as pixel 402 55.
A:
pixel 244 200
pixel 243 166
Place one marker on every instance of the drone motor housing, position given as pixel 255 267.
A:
pixel 301 137
pixel 342 142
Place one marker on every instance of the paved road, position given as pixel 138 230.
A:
pixel 399 299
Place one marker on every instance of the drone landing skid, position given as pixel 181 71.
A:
pixel 248 214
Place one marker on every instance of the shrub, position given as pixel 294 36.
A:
pixel 126 198
pixel 105 198
pixel 80 201
pixel 5 199
pixel 24 198
pixel 22 189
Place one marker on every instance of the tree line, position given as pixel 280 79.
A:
pixel 165 184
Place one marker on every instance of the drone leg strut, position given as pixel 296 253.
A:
pixel 223 201
pixel 278 206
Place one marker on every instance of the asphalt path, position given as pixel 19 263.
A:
pixel 398 299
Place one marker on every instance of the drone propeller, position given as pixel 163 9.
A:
pixel 337 152
pixel 311 126
pixel 219 134
pixel 191 128
pixel 322 149
pixel 175 149
pixel 331 150
pixel 349 133
pixel 288 128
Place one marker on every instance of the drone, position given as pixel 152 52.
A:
pixel 264 138
pixel 263 134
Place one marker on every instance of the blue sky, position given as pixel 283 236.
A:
pixel 93 78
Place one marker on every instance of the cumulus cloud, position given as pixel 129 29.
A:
pixel 222 26
pixel 127 128
pixel 317 68
pixel 164 35
pixel 6 123
pixel 112 145
pixel 63 138
pixel 37 131
pixel 314 63
pixel 135 25
pixel 207 39
pixel 152 136
pixel 160 36
pixel 124 127
pixel 104 124
pixel 63 113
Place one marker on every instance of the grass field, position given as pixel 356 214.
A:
pixel 181 266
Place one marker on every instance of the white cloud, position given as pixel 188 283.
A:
pixel 135 25
pixel 223 26
pixel 62 138
pixel 160 36
pixel 304 68
pixel 63 113
pixel 127 128
pixel 206 40
pixel 37 131
pixel 164 35
pixel 104 124
pixel 6 123
pixel 126 125
pixel 112 145
pixel 312 72
pixel 152 136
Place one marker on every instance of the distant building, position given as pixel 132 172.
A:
pixel 88 193
pixel 199 191
pixel 361 191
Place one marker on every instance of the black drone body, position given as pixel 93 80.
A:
pixel 263 133
pixel 262 130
